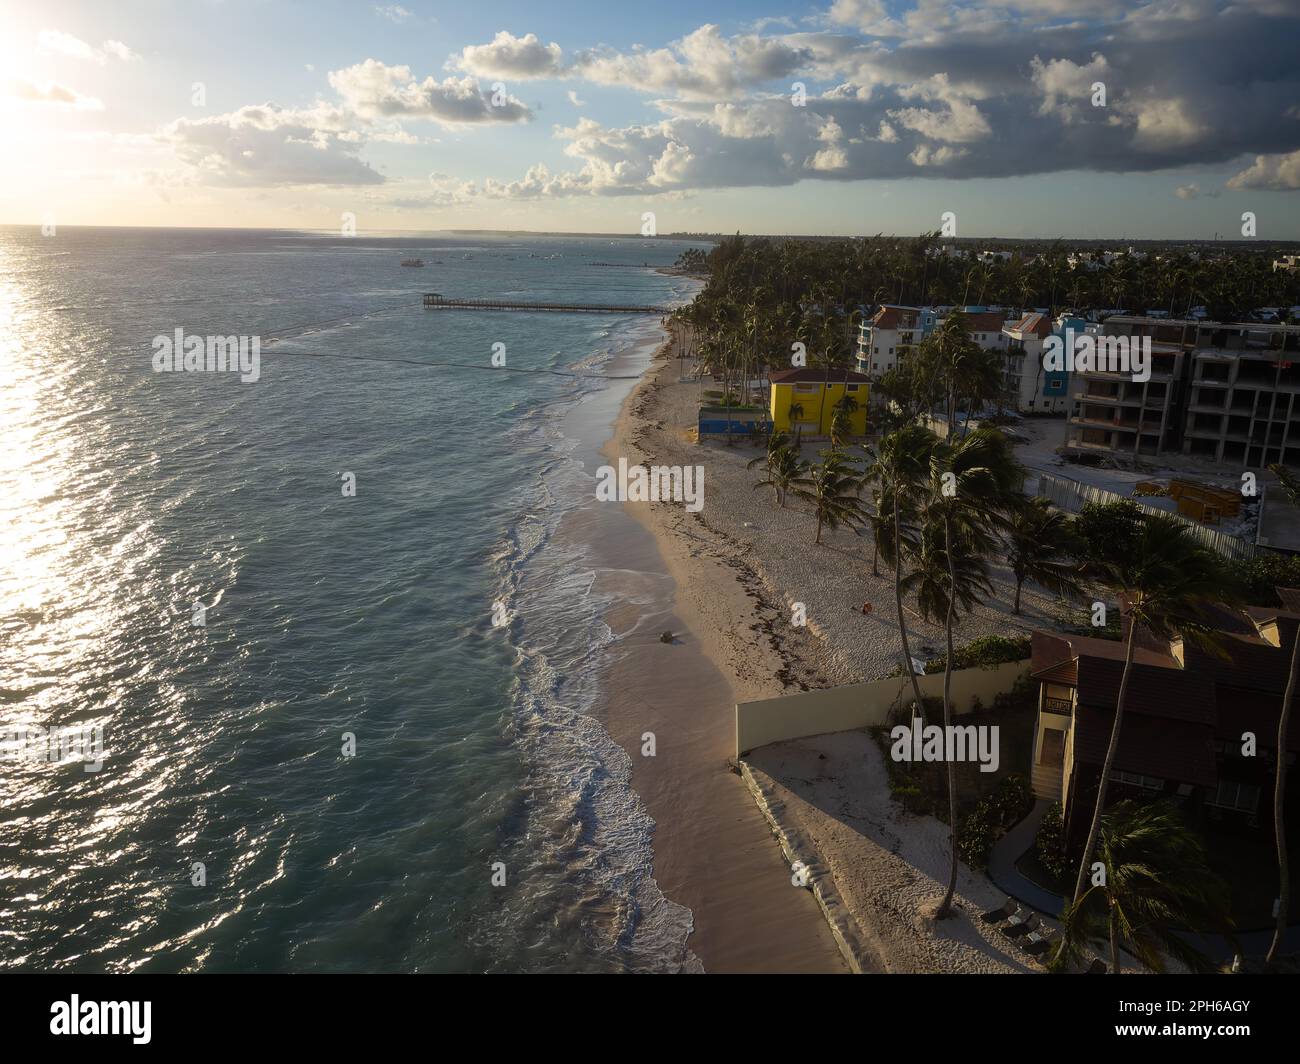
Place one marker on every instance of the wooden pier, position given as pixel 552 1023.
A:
pixel 440 302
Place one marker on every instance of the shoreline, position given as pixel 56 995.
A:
pixel 713 849
pixel 737 566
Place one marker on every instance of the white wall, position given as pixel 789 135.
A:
pixel 861 705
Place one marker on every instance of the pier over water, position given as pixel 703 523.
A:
pixel 437 301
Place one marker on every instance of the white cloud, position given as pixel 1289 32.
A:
pixel 508 56
pixel 1273 173
pixel 59 43
pixel 268 146
pixel 373 89
pixel 392 12
pixel 51 92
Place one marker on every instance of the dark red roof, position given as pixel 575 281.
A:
pixel 812 374
pixel 1152 746
pixel 1250 711
pixel 985 321
pixel 1039 325
pixel 896 318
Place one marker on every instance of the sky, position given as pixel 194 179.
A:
pixel 1026 118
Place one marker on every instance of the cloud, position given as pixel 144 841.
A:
pixel 373 89
pixel 59 43
pixel 703 65
pixel 392 12
pixel 50 92
pixel 508 56
pixel 957 91
pixel 259 146
pixel 1274 173
pixel 573 99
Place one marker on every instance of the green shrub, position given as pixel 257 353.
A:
pixel 1012 800
pixel 976 834
pixel 987 652
pixel 1050 843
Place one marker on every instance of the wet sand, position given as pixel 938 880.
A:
pixel 713 851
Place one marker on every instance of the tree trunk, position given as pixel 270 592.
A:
pixel 902 624
pixel 945 909
pixel 1279 818
pixel 1114 940
pixel 819 528
pixel 1015 608
pixel 1104 783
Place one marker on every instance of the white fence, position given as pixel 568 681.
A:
pixel 1071 495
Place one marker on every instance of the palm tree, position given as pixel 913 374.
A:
pixel 784 467
pixel 833 491
pixel 902 464
pixel 1292 488
pixel 971 482
pixel 1172 584
pixel 776 444
pixel 1040 545
pixel 1157 884
pixel 842 420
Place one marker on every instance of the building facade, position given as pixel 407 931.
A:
pixel 1224 392
pixel 804 400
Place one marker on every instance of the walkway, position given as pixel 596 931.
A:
pixel 1002 865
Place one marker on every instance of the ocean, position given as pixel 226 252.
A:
pixel 347 766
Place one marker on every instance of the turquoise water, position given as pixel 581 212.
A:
pixel 126 494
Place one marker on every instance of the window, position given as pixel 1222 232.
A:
pixel 1232 795
pixel 1136 779
pixel 854 388
pixel 805 388
pixel 891 350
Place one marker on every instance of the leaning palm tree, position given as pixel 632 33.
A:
pixel 972 481
pixel 1292 488
pixel 1040 545
pixel 1156 887
pixel 776 444
pixel 783 470
pixel 1172 584
pixel 902 466
pixel 832 489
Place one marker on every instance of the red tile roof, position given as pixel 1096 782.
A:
pixel 1039 325
pixel 986 321
pixel 896 318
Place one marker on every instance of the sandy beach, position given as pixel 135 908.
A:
pixel 736 567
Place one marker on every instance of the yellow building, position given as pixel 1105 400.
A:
pixel 804 401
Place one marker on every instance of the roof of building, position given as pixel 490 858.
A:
pixel 1180 695
pixel 816 375
pixel 1035 324
pixel 983 321
pixel 888 317
pixel 1151 746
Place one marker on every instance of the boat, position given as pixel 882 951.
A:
pixel 413 262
